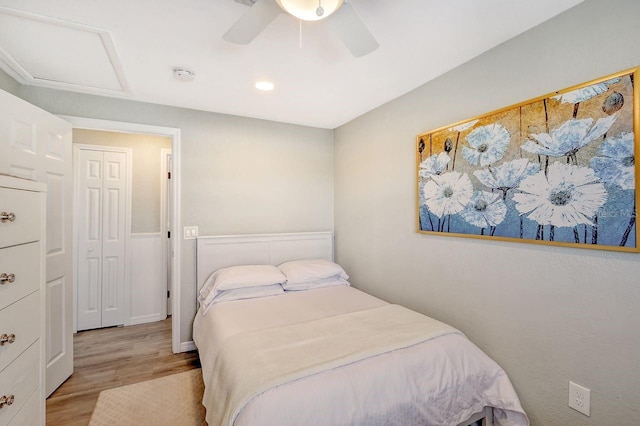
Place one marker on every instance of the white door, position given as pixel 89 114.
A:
pixel 113 238
pixel 90 170
pixel 35 144
pixel 102 198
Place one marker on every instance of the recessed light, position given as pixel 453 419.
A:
pixel 265 86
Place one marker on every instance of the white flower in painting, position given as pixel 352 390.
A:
pixel 464 126
pixel 434 165
pixel 485 209
pixel 448 193
pixel 487 144
pixel 507 175
pixel 585 93
pixel 568 196
pixel 569 137
pixel 615 162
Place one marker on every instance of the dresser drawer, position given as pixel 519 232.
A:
pixel 25 206
pixel 31 413
pixel 23 320
pixel 21 264
pixel 20 380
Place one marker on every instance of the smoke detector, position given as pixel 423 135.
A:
pixel 184 74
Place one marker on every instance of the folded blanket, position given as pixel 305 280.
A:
pixel 251 363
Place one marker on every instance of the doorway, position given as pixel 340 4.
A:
pixel 174 216
pixel 127 287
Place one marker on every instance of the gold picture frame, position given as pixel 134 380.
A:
pixel 559 169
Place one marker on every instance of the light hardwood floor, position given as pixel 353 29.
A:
pixel 112 357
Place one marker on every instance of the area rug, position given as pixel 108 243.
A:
pixel 170 400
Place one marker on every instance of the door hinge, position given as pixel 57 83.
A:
pixel 168 294
pixel 168 175
pixel 168 234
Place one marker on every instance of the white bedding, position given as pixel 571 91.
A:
pixel 439 382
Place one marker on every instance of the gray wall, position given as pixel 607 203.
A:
pixel 239 175
pixel 146 169
pixel 547 315
pixel 8 84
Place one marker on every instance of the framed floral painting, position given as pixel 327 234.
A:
pixel 559 169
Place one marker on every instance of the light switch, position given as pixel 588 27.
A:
pixel 190 232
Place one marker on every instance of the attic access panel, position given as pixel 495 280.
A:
pixel 43 51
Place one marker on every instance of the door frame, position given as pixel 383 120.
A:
pixel 77 147
pixel 164 229
pixel 174 134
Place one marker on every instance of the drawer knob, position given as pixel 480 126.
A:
pixel 7 278
pixel 7 217
pixel 7 338
pixel 6 400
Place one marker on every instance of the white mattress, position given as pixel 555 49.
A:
pixel 439 382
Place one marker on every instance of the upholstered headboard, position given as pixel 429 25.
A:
pixel 222 251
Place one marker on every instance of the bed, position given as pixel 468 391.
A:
pixel 332 355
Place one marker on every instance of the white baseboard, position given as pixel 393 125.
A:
pixel 187 346
pixel 145 319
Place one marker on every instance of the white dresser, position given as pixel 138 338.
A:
pixel 22 275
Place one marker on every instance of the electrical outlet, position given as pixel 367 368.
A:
pixel 580 398
pixel 190 232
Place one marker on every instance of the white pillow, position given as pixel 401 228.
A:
pixel 326 282
pixel 243 293
pixel 303 271
pixel 242 281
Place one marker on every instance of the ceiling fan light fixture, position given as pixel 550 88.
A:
pixel 310 10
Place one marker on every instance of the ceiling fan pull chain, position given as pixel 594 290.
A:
pixel 320 9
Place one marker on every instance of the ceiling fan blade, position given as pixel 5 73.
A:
pixel 257 18
pixel 352 31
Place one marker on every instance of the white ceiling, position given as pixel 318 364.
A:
pixel 128 48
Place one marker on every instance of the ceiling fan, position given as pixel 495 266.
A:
pixel 339 13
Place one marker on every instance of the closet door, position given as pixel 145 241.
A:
pixel 113 238
pixel 90 239
pixel 101 238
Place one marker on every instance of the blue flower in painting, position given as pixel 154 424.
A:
pixel 448 193
pixel 434 165
pixel 507 175
pixel 485 209
pixel 567 139
pixel 567 196
pixel 615 162
pixel 585 93
pixel 487 144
